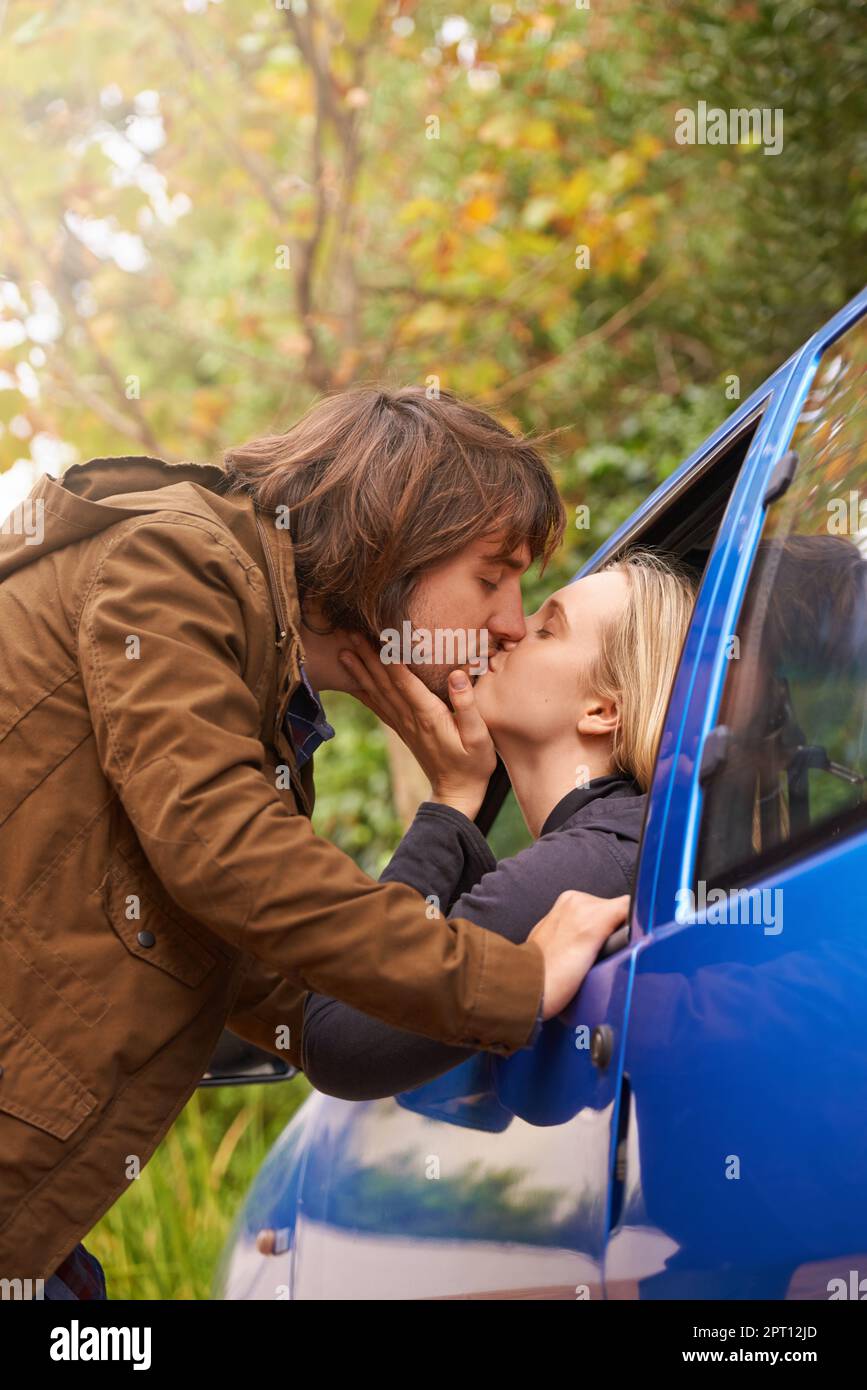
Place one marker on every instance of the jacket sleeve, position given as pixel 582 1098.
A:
pixel 178 734
pixel 441 855
pixel 269 1011
pixel 347 1054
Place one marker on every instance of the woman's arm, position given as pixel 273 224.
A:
pixel 442 856
pixel 348 1054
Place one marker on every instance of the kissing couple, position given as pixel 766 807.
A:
pixel 166 644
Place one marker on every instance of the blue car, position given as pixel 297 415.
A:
pixel 694 1125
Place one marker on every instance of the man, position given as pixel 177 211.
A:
pixel 164 630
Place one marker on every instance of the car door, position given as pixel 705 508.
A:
pixel 742 1148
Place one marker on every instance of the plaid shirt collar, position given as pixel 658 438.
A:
pixel 306 724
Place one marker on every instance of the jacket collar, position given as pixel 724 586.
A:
pixel 276 544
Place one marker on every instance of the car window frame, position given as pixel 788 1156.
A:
pixel 671 873
pixel 828 831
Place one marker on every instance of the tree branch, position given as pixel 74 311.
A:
pixel 597 335
pixel 137 426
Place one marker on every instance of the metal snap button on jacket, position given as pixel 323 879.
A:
pixel 146 938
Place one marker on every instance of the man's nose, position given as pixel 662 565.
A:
pixel 508 626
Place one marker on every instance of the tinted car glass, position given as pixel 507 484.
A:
pixel 789 749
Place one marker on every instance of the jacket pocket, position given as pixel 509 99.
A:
pixel 151 934
pixel 38 959
pixel 35 1086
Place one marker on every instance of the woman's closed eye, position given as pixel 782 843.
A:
pixel 543 632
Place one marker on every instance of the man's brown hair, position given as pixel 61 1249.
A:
pixel 382 484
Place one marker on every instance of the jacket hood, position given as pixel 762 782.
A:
pixel 90 497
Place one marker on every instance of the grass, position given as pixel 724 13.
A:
pixel 163 1238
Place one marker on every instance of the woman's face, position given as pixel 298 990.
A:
pixel 536 690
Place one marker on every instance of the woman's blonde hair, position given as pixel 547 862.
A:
pixel 638 656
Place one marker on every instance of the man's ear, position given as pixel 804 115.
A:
pixel 598 718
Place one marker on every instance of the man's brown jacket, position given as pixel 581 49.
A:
pixel 157 878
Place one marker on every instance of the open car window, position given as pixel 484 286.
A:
pixel 683 523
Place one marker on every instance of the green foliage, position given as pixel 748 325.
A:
pixel 354 807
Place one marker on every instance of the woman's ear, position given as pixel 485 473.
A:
pixel 599 718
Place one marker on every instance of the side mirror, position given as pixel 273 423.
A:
pixel 239 1063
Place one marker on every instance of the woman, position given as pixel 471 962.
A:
pixel 575 710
